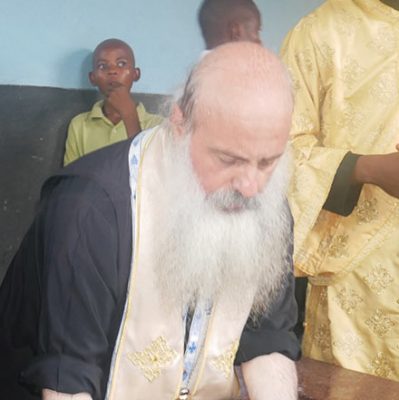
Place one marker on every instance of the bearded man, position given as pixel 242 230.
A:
pixel 156 265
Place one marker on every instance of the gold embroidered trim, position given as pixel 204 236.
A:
pixel 336 246
pixel 224 363
pixel 380 366
pixel 154 357
pixel 348 300
pixel 367 211
pixel 351 72
pixel 385 89
pixel 378 279
pixel 380 323
pixel 322 338
pixel 348 344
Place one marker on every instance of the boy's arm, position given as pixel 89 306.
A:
pixel 120 99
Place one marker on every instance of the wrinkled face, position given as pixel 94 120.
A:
pixel 241 152
pixel 113 66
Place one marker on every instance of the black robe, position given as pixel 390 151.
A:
pixel 62 299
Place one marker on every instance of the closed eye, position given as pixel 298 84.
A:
pixel 263 164
pixel 228 160
pixel 267 162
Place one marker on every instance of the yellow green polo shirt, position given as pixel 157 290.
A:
pixel 92 130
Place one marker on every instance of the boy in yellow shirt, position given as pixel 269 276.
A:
pixel 117 117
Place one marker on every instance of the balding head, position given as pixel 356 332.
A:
pixel 237 104
pixel 223 21
pixel 236 79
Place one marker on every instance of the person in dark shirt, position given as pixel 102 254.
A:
pixel 156 265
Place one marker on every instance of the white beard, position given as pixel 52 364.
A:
pixel 204 252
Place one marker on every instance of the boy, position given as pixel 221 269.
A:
pixel 223 21
pixel 117 117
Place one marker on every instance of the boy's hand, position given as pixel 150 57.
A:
pixel 120 99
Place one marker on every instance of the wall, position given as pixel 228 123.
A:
pixel 48 42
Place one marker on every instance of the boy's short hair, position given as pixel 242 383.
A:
pixel 110 43
pixel 214 15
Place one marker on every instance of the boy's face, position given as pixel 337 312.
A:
pixel 113 66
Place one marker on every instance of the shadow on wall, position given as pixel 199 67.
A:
pixel 33 127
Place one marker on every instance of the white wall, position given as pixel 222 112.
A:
pixel 48 42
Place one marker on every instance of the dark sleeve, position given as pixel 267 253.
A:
pixel 274 332
pixel 344 195
pixel 78 290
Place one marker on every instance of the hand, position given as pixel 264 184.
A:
pixel 48 394
pixel 271 377
pixel 120 99
pixel 381 170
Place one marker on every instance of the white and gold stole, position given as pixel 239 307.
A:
pixel 149 356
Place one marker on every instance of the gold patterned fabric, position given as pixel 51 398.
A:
pixel 344 61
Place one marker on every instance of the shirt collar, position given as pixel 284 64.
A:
pixel 97 110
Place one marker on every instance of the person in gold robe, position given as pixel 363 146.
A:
pixel 344 59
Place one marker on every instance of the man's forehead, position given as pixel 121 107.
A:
pixel 241 65
pixel 236 99
pixel 243 124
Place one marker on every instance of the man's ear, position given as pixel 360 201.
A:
pixel 176 119
pixel 92 78
pixel 136 74
pixel 235 31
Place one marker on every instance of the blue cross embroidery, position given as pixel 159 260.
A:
pixel 192 347
pixel 136 140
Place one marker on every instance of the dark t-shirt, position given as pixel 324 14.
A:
pixel 64 293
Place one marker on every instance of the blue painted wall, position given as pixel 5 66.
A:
pixel 48 42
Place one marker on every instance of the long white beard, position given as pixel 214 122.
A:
pixel 204 252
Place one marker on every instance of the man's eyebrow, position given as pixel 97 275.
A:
pixel 229 154
pixel 238 157
pixel 272 158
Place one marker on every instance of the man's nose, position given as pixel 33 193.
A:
pixel 248 183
